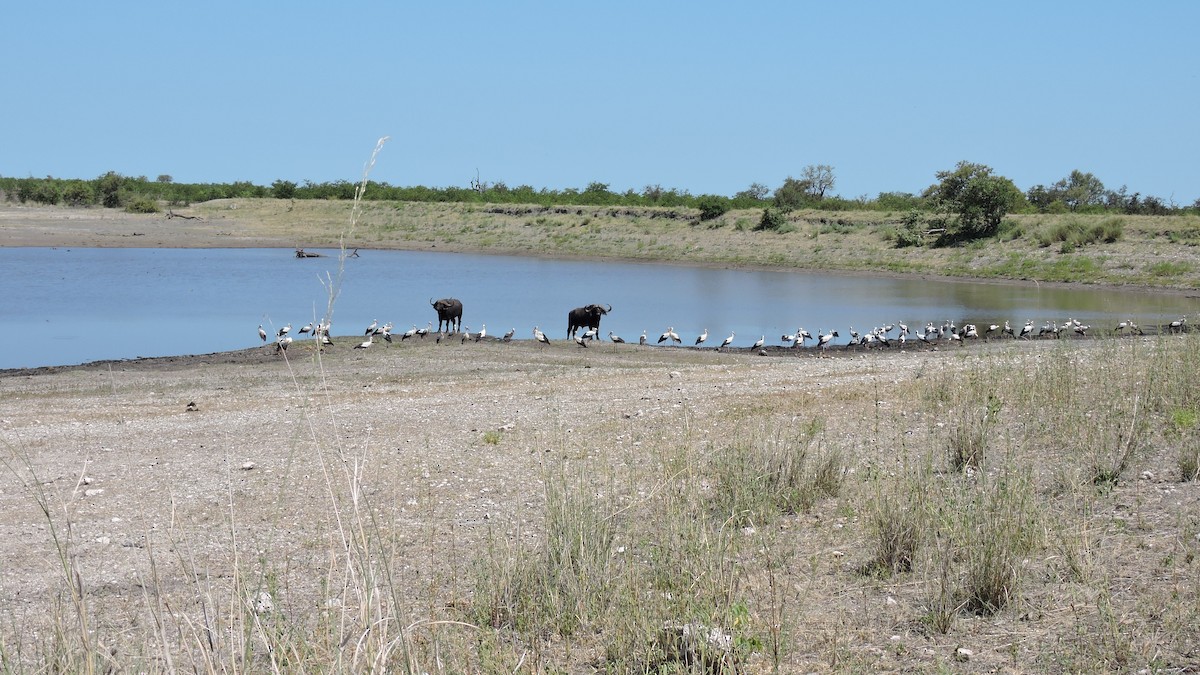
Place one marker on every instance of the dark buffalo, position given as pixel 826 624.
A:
pixel 585 317
pixel 449 311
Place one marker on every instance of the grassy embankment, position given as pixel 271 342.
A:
pixel 1150 251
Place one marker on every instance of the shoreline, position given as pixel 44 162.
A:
pixel 62 227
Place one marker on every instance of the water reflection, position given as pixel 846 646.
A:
pixel 64 306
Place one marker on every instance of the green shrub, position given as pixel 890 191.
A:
pixel 1074 233
pixel 142 204
pixel 772 219
pixel 78 193
pixel 911 231
pixel 712 206
pixel 1169 268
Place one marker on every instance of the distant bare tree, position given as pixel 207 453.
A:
pixel 478 185
pixel 819 179
pixel 756 191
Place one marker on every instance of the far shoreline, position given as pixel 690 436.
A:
pixel 62 227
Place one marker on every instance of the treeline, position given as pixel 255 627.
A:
pixel 1079 192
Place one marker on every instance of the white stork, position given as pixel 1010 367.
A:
pixel 758 343
pixel 540 336
pixel 262 334
pixel 823 340
pixel 728 341
pixel 371 328
pixel 615 338
pixel 703 336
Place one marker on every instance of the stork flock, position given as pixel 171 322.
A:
pixel 893 334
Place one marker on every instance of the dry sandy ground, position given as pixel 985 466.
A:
pixel 225 457
pixel 22 225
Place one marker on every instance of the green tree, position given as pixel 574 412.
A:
pixel 108 189
pixel 979 199
pixel 597 193
pixel 712 206
pixel 756 192
pixel 283 189
pixel 793 194
pixel 1080 190
pixel 78 193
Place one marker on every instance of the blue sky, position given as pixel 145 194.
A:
pixel 707 97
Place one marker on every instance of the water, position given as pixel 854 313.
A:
pixel 62 306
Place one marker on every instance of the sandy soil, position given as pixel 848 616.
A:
pixel 109 228
pixel 163 454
